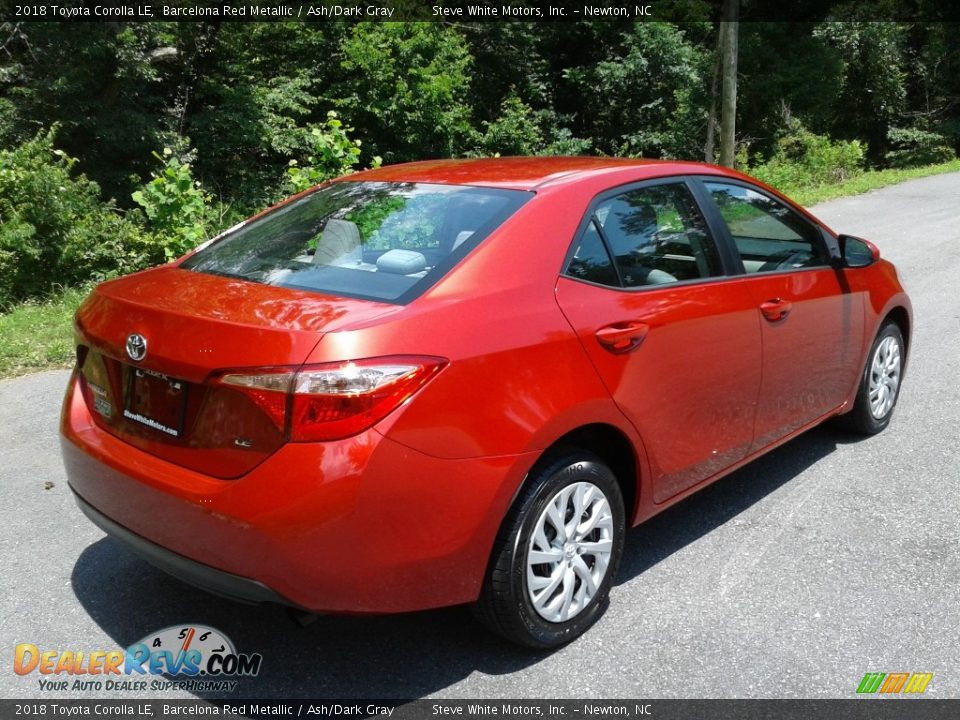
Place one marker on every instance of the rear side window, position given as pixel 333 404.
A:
pixel 591 261
pixel 769 236
pixel 377 241
pixel 656 235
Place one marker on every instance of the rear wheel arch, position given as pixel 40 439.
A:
pixel 613 447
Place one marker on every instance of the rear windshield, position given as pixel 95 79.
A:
pixel 378 241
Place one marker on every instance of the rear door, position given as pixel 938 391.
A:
pixel 812 326
pixel 674 338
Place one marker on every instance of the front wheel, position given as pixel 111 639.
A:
pixel 557 553
pixel 880 383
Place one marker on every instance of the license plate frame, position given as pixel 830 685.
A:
pixel 156 401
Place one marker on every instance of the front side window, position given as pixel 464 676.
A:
pixel 769 236
pixel 378 241
pixel 656 236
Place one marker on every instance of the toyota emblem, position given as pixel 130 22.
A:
pixel 137 347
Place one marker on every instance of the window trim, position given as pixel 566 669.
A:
pixel 716 218
pixel 728 268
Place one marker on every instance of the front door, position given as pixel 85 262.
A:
pixel 811 327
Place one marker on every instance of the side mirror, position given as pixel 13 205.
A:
pixel 856 252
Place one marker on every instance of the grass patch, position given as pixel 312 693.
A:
pixel 864 182
pixel 38 334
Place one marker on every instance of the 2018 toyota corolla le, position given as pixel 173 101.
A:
pixel 461 381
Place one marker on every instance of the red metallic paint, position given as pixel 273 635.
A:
pixel 701 323
pixel 403 515
pixel 810 356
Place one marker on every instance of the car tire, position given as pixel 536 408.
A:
pixel 571 590
pixel 880 383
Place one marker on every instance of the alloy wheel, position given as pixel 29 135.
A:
pixel 569 552
pixel 885 371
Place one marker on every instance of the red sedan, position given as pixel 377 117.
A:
pixel 461 381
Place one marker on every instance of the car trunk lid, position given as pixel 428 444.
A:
pixel 195 326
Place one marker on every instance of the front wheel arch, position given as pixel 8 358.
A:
pixel 861 419
pixel 901 317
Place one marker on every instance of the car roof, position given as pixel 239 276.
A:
pixel 527 173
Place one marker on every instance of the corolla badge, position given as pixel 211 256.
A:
pixel 136 346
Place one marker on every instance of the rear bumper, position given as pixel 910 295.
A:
pixel 218 582
pixel 361 525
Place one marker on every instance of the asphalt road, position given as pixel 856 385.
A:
pixel 828 558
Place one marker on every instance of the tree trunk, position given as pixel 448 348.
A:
pixel 729 30
pixel 708 148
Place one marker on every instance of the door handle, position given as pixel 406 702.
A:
pixel 622 337
pixel 776 309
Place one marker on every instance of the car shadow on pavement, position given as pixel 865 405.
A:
pixel 711 507
pixel 400 656
pixel 394 656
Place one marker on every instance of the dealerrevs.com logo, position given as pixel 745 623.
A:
pixel 188 657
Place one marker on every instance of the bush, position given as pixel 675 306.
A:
pixel 332 154
pixel 519 130
pixel 802 158
pixel 53 227
pixel 104 245
pixel 178 210
pixel 514 132
pixel 913 147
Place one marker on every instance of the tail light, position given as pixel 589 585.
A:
pixel 334 400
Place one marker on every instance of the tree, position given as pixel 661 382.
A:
pixel 784 72
pixel 104 84
pixel 645 97
pixel 406 88
pixel 873 87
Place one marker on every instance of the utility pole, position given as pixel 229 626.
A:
pixel 729 32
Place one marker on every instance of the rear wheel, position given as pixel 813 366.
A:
pixel 880 384
pixel 557 553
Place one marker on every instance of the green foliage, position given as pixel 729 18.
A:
pixel 519 130
pixel 254 98
pixel 332 154
pixel 249 132
pixel 177 208
pixel 640 98
pixel 781 65
pixel 249 94
pixel 406 86
pixel 514 132
pixel 873 84
pixel 913 147
pixel 106 244
pixel 54 229
pixel 802 158
pixel 111 88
